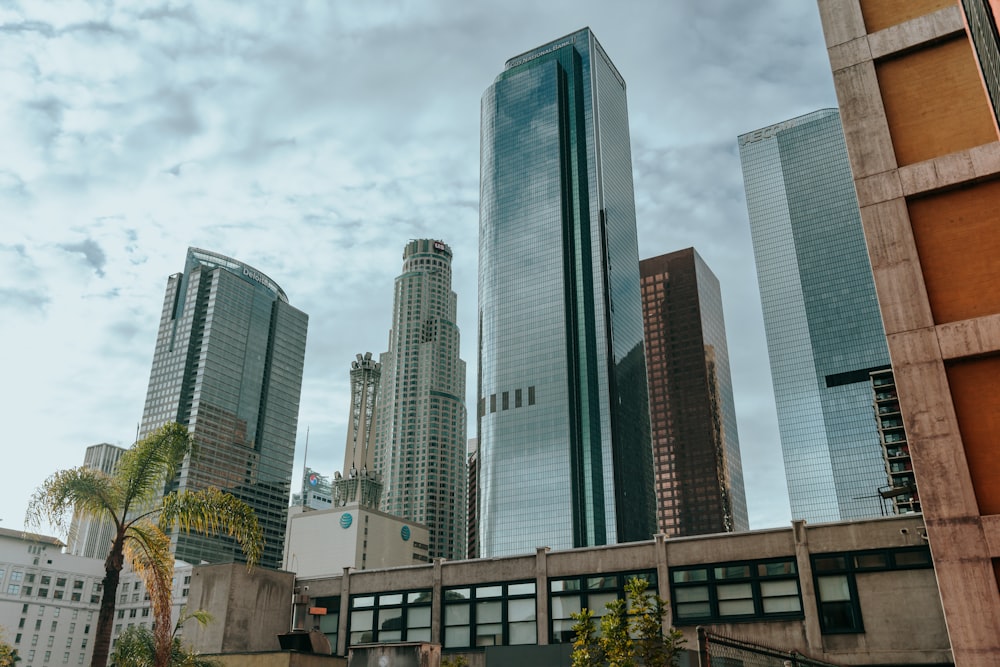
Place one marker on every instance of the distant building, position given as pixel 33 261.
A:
pixel 918 98
pixel 696 448
pixel 228 365
pixel 324 542
pixel 901 487
pixel 473 462
pixel 90 537
pixel 316 493
pixel 420 441
pixel 563 413
pixel 821 316
pixel 49 600
pixel 359 482
pixel 349 530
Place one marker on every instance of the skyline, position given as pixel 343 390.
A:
pixel 134 134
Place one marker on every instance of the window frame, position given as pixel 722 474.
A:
pixel 585 590
pixel 853 563
pixel 712 582
pixel 477 594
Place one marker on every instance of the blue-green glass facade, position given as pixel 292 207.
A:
pixel 563 414
pixel 228 364
pixel 821 315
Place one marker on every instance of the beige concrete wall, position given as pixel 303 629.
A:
pixel 922 146
pixel 901 609
pixel 249 608
pixel 277 659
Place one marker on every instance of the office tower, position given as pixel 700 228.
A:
pixel 472 550
pixel 421 427
pixel 901 486
pixel 89 536
pixel 923 142
pixel 981 18
pixel 228 365
pixel 359 482
pixel 563 416
pixel 821 316
pixel 696 448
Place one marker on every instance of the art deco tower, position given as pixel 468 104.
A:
pixel 563 415
pixel 696 448
pixel 359 482
pixel 821 315
pixel 228 364
pixel 421 426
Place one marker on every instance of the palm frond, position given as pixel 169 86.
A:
pixel 148 550
pixel 213 512
pixel 149 463
pixel 86 490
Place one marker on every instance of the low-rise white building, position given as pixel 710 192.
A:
pixel 321 543
pixel 48 599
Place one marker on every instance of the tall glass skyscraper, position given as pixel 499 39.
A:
pixel 421 426
pixel 563 415
pixel 228 364
pixel 696 447
pixel 821 316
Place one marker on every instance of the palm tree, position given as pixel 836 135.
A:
pixel 131 498
pixel 139 647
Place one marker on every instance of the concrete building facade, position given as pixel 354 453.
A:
pixel 563 416
pixel 696 448
pixel 90 537
pixel 861 593
pixel 421 425
pixel 923 143
pixel 821 316
pixel 228 365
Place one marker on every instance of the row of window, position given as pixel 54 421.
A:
pixel 504 613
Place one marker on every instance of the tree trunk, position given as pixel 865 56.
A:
pixel 106 616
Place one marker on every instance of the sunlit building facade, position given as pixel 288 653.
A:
pixel 696 447
pixel 421 426
pixel 563 412
pixel 821 316
pixel 228 364
pixel 91 536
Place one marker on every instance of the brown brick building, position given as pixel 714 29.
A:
pixel 696 451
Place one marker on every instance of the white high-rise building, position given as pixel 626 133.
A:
pixel 421 426
pixel 88 536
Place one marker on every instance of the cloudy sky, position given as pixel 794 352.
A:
pixel 312 139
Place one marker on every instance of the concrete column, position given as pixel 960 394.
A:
pixel 345 609
pixel 663 577
pixel 437 594
pixel 541 596
pixel 814 634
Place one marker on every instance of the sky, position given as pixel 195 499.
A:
pixel 311 140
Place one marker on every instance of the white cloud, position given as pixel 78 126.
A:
pixel 312 140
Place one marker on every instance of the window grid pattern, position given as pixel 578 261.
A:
pixel 821 314
pixel 556 212
pixel 837 587
pixel 489 615
pixel 388 618
pixel 569 595
pixel 736 591
pixel 228 363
